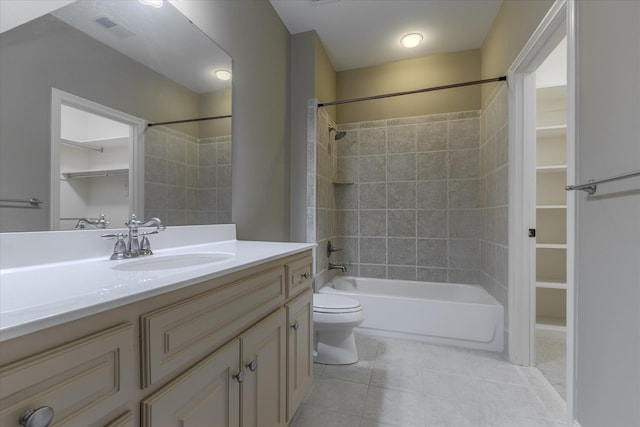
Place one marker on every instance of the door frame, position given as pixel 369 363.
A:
pixel 522 186
pixel 137 128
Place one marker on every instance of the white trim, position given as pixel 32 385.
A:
pixel 572 127
pixel 558 22
pixel 522 131
pixel 136 150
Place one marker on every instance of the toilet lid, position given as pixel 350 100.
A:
pixel 330 303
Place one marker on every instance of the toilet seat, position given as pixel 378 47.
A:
pixel 335 304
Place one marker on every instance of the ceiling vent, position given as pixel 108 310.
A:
pixel 113 27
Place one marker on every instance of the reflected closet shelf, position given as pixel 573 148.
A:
pixel 95 173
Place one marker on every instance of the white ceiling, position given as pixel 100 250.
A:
pixel 162 39
pixel 362 33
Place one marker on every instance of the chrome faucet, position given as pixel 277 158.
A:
pixel 101 222
pixel 340 267
pixel 134 247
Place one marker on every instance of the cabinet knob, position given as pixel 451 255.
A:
pixel 305 275
pixel 238 376
pixel 40 417
pixel 295 326
pixel 253 365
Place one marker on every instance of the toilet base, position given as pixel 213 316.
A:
pixel 335 347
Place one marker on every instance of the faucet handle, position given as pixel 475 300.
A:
pixel 331 249
pixel 120 248
pixel 145 245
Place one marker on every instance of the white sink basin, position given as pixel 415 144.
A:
pixel 169 262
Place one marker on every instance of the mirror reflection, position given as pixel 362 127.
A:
pixel 150 65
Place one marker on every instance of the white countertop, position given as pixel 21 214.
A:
pixel 37 296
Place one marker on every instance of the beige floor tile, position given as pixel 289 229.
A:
pixel 394 407
pixel 344 397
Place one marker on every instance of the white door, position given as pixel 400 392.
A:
pixel 607 230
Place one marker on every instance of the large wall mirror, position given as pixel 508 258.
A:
pixel 141 59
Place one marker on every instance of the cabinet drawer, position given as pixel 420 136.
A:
pixel 299 275
pixel 175 336
pixel 82 381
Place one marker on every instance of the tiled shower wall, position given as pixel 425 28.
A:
pixel 325 195
pixel 408 202
pixel 494 193
pixel 187 180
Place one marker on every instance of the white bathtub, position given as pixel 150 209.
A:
pixel 446 313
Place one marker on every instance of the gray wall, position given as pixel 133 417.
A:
pixel 253 34
pixel 257 40
pixel 302 89
pixel 607 281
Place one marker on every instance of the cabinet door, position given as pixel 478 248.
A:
pixel 205 395
pixel 263 362
pixel 299 350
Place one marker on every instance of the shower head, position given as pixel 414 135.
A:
pixel 339 133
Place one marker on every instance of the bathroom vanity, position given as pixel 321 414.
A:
pixel 224 341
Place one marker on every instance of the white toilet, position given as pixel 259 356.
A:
pixel 334 317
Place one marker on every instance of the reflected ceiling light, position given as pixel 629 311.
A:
pixel 223 74
pixel 411 40
pixel 154 3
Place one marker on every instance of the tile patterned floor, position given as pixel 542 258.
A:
pixel 407 383
pixel 551 355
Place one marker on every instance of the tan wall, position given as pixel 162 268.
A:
pixel 215 104
pixel 325 78
pixel 410 74
pixel 515 23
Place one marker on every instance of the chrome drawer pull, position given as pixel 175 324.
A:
pixel 40 417
pixel 238 376
pixel 253 365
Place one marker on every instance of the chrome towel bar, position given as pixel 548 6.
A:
pixel 32 201
pixel 591 186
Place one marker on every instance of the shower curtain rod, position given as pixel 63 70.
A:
pixel 188 120
pixel 411 92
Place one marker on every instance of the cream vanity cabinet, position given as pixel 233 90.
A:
pixel 232 351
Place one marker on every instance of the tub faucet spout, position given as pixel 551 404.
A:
pixel 340 267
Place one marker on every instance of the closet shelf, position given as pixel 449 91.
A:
pixel 551 207
pixel 551 285
pixel 551 131
pixel 95 173
pixel 551 246
pixel 551 169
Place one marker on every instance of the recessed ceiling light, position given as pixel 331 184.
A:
pixel 223 74
pixel 154 3
pixel 411 40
